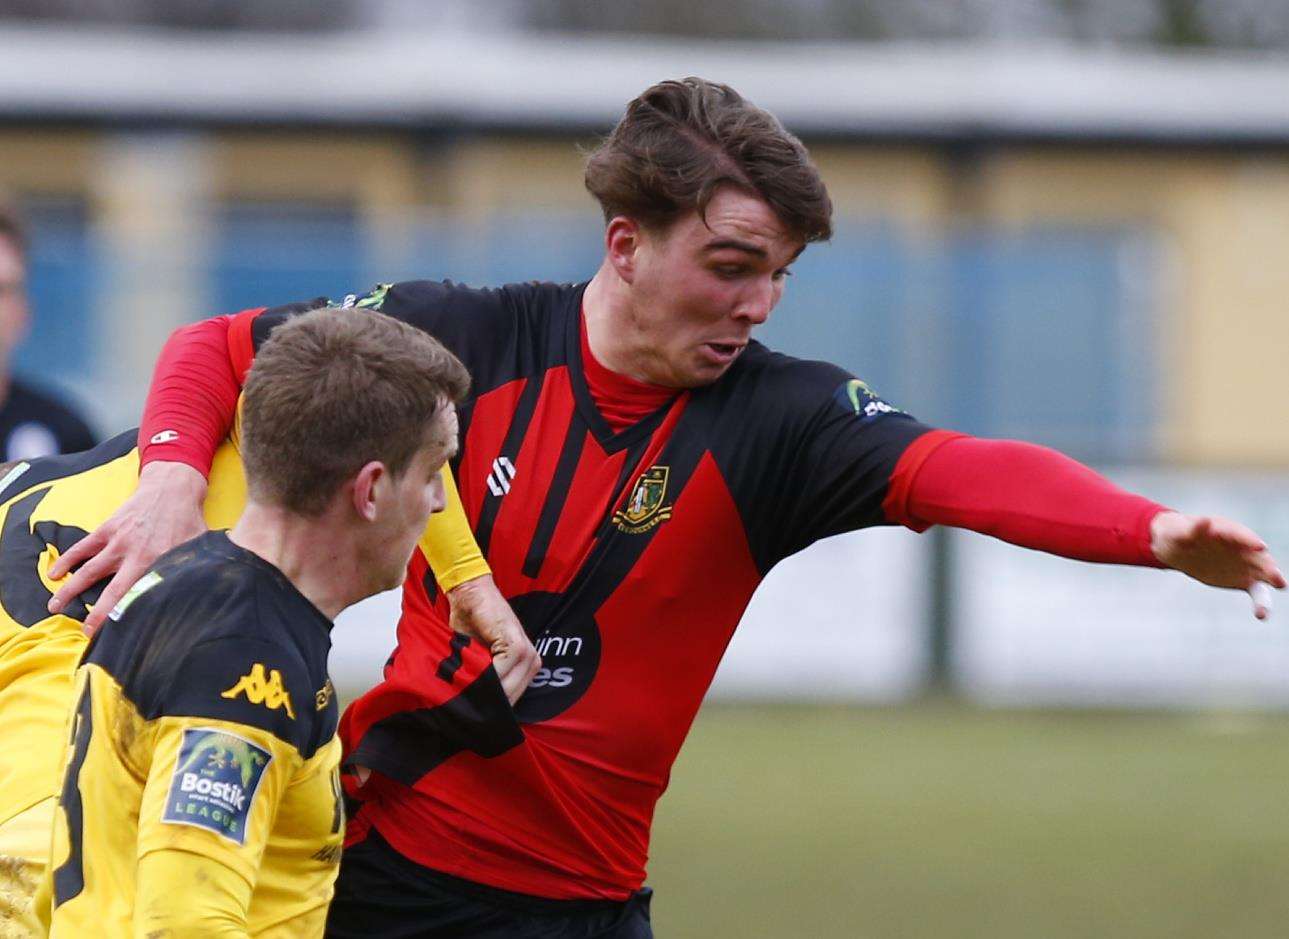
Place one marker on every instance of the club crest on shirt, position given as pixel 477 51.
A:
pixel 856 396
pixel 644 508
pixel 216 777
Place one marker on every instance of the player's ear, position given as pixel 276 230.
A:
pixel 621 242
pixel 368 483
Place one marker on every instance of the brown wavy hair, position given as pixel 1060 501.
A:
pixel 680 141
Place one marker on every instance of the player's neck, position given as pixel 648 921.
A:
pixel 309 552
pixel 612 329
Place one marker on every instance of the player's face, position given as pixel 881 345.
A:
pixel 699 289
pixel 415 495
pixel 13 296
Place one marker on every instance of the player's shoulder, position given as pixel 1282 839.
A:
pixel 22 476
pixel 762 377
pixel 767 393
pixel 210 633
pixel 531 298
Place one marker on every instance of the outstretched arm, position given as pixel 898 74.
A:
pixel 1038 498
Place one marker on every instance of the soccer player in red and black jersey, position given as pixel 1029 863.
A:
pixel 633 463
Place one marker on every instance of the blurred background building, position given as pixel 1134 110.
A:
pixel 1061 220
pixel 1053 222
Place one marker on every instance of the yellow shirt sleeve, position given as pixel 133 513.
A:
pixel 182 895
pixel 449 545
pixel 212 793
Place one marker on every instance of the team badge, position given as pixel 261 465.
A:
pixel 261 688
pixel 215 781
pixel 855 395
pixel 372 301
pixel 644 508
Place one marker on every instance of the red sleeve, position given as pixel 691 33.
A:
pixel 1026 494
pixel 194 391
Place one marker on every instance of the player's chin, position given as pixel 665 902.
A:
pixel 392 576
pixel 705 371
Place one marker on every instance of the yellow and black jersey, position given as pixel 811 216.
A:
pixel 49 504
pixel 201 793
pixel 46 506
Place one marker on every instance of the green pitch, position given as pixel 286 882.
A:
pixel 940 822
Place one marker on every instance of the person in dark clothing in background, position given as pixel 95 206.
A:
pixel 32 423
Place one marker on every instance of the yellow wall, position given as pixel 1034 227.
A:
pixel 1224 224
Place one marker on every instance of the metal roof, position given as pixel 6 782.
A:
pixel 566 83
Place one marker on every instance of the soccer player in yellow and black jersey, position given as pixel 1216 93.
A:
pixel 201 794
pixel 46 505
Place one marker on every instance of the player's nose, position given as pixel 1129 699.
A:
pixel 755 305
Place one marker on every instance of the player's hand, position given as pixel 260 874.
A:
pixel 1217 552
pixel 479 610
pixel 164 511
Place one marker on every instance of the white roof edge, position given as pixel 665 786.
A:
pixel 558 82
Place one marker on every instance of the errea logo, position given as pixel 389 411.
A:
pixel 261 689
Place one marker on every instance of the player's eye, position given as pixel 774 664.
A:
pixel 781 273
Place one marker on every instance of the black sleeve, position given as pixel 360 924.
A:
pixel 817 458
pixel 481 326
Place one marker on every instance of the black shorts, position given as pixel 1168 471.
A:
pixel 382 895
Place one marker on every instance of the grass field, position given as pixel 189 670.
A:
pixel 938 821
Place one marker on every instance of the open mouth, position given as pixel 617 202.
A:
pixel 725 350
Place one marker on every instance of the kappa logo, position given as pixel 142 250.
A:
pixel 262 689
pixel 644 508
pixel 503 473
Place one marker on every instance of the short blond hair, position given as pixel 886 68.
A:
pixel 334 389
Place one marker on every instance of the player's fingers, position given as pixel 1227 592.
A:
pixel 1259 565
pixel 1260 594
pixel 510 671
pixel 117 587
pixel 89 546
pixel 1233 533
pixel 86 576
pixel 1267 571
pixel 516 665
